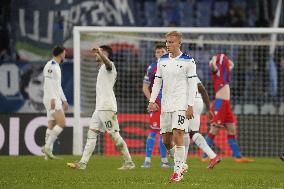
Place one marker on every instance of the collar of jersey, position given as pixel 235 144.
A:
pixel 175 57
pixel 55 62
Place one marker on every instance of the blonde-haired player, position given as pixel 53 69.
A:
pixel 176 71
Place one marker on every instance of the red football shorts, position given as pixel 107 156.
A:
pixel 155 120
pixel 223 113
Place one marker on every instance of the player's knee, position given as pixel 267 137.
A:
pixel 167 142
pixel 192 133
pixel 177 133
pixel 51 124
pixel 92 134
pixel 196 135
pixel 61 123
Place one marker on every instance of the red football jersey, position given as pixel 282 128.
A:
pixel 222 75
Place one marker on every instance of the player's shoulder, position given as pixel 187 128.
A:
pixel 187 58
pixel 112 64
pixel 152 66
pixel 51 63
pixel 164 57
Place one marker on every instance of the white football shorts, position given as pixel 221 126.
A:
pixel 104 121
pixel 173 120
pixel 49 111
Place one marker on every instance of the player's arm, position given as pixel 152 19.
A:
pixel 149 76
pixel 205 98
pixel 231 65
pixel 146 91
pixel 204 95
pixel 155 89
pixel 192 88
pixel 50 83
pixel 60 90
pixel 212 64
pixel 63 98
pixel 104 58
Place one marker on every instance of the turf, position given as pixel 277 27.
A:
pixel 34 172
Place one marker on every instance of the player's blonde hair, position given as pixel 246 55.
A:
pixel 176 34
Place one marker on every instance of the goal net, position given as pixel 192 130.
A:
pixel 257 84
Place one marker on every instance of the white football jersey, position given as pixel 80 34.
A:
pixel 52 82
pixel 178 77
pixel 105 98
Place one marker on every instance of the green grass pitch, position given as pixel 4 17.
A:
pixel 34 172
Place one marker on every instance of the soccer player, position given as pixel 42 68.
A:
pixel 176 71
pixel 105 115
pixel 221 67
pixel 52 100
pixel 194 124
pixel 160 50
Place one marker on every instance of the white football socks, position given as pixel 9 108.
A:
pixel 199 140
pixel 171 151
pixel 179 159
pixel 186 145
pixel 89 147
pixel 47 135
pixel 53 134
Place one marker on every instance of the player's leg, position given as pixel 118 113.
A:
pixel 234 145
pixel 163 152
pixel 214 129
pixel 49 134
pixel 150 142
pixel 110 123
pixel 229 121
pixel 59 118
pixel 232 140
pixel 180 126
pixel 155 126
pixel 217 108
pixel 122 147
pixel 186 140
pixel 51 124
pixel 92 136
pixel 199 140
pixel 166 132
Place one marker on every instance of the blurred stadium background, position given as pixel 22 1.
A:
pixel 29 29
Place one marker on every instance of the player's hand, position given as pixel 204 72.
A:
pixel 210 116
pixel 65 105
pixel 52 104
pixel 95 49
pixel 152 107
pixel 189 112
